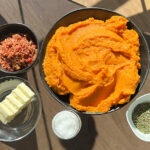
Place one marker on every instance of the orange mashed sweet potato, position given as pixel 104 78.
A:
pixel 96 62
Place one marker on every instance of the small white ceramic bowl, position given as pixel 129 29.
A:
pixel 142 99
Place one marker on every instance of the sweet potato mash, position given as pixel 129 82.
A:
pixel 96 62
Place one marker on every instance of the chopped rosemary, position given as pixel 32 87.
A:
pixel 141 117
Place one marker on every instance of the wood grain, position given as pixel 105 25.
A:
pixel 105 132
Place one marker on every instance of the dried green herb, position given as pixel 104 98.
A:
pixel 141 117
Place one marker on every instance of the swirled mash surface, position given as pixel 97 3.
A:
pixel 95 62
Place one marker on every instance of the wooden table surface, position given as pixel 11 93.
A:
pixel 105 132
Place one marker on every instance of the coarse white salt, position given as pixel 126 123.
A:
pixel 66 124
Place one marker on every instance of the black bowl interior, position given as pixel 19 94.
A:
pixel 8 29
pixel 102 14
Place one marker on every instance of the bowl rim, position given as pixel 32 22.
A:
pixel 23 25
pixel 40 109
pixel 51 91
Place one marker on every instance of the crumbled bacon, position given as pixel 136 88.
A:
pixel 17 52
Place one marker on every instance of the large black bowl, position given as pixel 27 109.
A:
pixel 102 14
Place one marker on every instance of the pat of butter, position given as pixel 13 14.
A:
pixel 5 112
pixel 10 106
pixel 21 96
pixel 13 99
pixel 4 121
pixel 26 90
pixel 15 102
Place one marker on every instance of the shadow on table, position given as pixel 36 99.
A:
pixel 147 36
pixel 142 20
pixel 110 4
pixel 28 143
pixel 43 113
pixel 2 20
pixel 85 139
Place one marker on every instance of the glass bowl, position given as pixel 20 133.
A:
pixel 66 124
pixel 25 122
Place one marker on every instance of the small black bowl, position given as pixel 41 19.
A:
pixel 12 28
pixel 102 14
